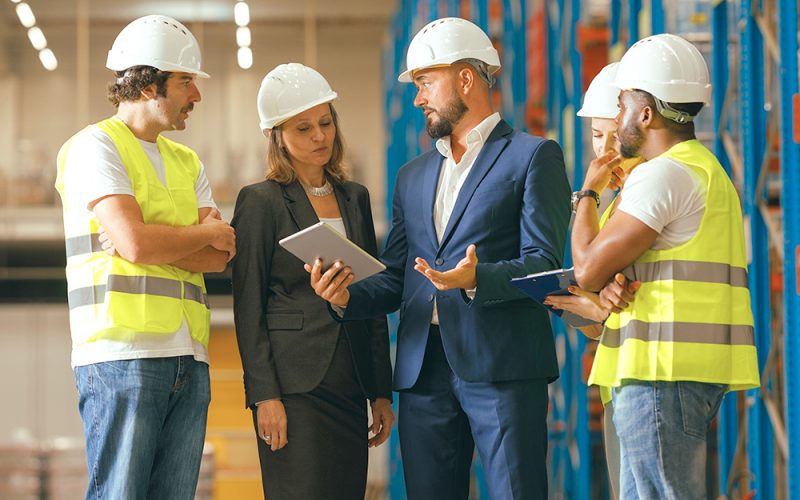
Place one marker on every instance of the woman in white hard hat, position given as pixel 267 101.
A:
pixel 600 104
pixel 307 377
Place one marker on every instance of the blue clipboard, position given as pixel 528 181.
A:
pixel 538 286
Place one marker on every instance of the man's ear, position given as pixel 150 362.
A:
pixel 465 79
pixel 647 116
pixel 150 92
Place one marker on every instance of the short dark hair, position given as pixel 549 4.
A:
pixel 691 108
pixel 129 83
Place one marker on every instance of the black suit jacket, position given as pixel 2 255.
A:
pixel 286 336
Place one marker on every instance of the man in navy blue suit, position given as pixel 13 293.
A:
pixel 474 355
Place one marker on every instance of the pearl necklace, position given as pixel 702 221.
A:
pixel 319 192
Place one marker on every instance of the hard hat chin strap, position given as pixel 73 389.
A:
pixel 670 113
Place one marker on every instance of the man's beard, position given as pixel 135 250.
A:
pixel 449 115
pixel 630 139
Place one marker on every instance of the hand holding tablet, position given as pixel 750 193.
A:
pixel 324 242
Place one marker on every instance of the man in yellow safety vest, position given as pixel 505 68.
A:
pixel 687 338
pixel 141 227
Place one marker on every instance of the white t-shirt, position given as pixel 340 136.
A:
pixel 95 170
pixel 667 196
pixel 337 223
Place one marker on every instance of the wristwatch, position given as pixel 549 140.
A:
pixel 577 195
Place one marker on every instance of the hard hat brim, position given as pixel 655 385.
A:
pixel 407 76
pixel 277 121
pixel 172 68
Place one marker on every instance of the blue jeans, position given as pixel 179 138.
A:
pixel 145 423
pixel 662 430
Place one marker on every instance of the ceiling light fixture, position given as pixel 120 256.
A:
pixel 244 56
pixel 37 38
pixel 241 13
pixel 25 15
pixel 36 35
pixel 243 38
pixel 241 16
pixel 48 59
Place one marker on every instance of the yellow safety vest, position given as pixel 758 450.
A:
pixel 112 298
pixel 605 391
pixel 691 318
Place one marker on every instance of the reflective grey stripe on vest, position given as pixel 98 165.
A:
pixel 686 270
pixel 195 293
pixel 85 243
pixel 149 285
pixel 702 333
pixel 86 296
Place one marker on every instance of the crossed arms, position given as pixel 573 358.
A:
pixel 203 247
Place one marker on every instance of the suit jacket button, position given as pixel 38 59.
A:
pixel 430 298
pixel 439 262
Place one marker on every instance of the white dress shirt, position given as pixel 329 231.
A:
pixel 452 177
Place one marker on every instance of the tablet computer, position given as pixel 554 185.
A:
pixel 323 241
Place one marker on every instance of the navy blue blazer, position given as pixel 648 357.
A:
pixel 515 207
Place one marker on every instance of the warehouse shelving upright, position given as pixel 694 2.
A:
pixel 787 13
pixel 753 126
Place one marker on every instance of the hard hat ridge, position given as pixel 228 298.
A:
pixel 288 90
pixel 448 40
pixel 669 68
pixel 157 41
pixel 600 100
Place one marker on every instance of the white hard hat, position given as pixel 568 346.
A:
pixel 445 41
pixel 600 100
pixel 157 41
pixel 668 67
pixel 288 90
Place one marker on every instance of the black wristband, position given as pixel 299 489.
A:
pixel 578 195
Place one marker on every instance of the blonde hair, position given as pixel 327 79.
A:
pixel 279 165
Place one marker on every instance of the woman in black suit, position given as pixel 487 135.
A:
pixel 307 378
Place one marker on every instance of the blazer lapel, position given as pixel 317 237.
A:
pixel 491 150
pixel 299 207
pixel 350 215
pixel 430 182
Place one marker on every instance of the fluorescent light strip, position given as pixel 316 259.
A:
pixel 35 35
pixel 241 16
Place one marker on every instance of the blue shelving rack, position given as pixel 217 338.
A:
pixel 720 79
pixel 739 55
pixel 787 13
pixel 754 130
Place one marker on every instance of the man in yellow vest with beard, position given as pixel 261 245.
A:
pixel 687 337
pixel 141 227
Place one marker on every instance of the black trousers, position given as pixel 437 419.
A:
pixel 326 454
